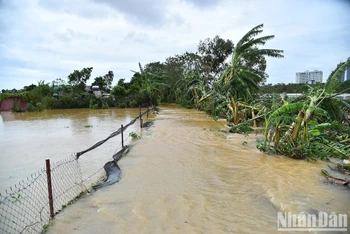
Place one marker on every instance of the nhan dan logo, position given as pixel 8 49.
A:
pixel 323 221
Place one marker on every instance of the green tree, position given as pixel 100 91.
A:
pixel 100 82
pixel 213 54
pixel 150 85
pixel 78 78
pixel 108 79
pixel 119 91
pixel 104 82
pixel 29 88
pixel 121 82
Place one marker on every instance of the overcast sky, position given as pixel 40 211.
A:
pixel 48 39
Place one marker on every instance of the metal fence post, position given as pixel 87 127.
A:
pixel 141 122
pixel 122 128
pixel 147 111
pixel 49 187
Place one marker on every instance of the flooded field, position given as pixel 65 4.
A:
pixel 27 139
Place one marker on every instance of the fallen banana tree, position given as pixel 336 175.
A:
pixel 314 133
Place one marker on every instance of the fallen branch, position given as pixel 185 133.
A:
pixel 335 180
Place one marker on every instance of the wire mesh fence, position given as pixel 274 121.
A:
pixel 28 206
pixel 24 207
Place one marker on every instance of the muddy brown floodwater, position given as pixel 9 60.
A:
pixel 183 176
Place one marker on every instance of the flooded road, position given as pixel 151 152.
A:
pixel 183 176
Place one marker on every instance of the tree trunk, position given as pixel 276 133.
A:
pixel 235 111
pixel 196 96
pixel 296 128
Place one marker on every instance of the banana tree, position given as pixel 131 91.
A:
pixel 302 138
pixel 199 88
pixel 151 84
pixel 242 76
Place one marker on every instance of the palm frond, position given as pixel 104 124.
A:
pixel 141 69
pixel 249 79
pixel 336 149
pixel 271 53
pixel 333 80
pixel 289 108
pixel 335 108
pixel 254 42
pixel 321 113
pixel 252 33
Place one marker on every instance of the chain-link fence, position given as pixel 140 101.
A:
pixel 28 206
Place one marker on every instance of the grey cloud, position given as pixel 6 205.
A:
pixel 203 3
pixel 8 12
pixel 140 37
pixel 139 11
pixel 74 7
pixel 70 34
pixel 175 19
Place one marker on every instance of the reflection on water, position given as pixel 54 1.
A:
pixel 183 176
pixel 27 139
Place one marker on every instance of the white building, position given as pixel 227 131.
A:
pixel 342 78
pixel 309 77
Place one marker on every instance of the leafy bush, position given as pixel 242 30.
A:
pixel 133 103
pixel 30 107
pixel 40 106
pixel 49 102
pixel 105 105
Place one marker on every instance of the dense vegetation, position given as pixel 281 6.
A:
pixel 227 81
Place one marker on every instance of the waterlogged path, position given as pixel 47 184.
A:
pixel 185 177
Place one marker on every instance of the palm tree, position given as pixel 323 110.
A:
pixel 242 73
pixel 247 68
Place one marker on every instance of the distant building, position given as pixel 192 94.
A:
pixel 96 91
pixel 309 77
pixel 342 78
pixel 347 72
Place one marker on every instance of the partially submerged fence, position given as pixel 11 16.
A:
pixel 28 207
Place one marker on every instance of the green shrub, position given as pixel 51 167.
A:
pixel 93 105
pixel 133 103
pixel 40 106
pixel 49 102
pixel 30 107
pixel 105 105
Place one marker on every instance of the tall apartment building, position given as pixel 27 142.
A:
pixel 309 77
pixel 347 72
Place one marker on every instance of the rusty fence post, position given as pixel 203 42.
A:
pixel 122 128
pixel 49 187
pixel 140 117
